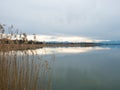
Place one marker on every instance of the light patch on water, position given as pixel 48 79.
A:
pixel 66 50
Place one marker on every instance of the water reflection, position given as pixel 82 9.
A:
pixel 96 70
pixel 66 50
pixel 79 68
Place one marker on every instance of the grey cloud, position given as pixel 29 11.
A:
pixel 94 18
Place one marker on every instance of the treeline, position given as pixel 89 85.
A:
pixel 7 41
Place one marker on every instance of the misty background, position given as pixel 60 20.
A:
pixel 98 19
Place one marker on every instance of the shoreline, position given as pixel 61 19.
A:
pixel 9 47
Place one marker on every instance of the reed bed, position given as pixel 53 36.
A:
pixel 21 71
pixel 20 67
pixel 15 47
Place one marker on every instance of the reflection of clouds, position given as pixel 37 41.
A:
pixel 66 50
pixel 55 50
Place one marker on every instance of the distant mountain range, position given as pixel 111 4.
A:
pixel 117 42
pixel 98 43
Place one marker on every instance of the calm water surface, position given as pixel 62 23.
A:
pixel 84 68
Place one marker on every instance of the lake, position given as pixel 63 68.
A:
pixel 61 68
pixel 84 68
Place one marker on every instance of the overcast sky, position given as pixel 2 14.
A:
pixel 89 18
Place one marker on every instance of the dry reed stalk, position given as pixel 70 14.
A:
pixel 19 70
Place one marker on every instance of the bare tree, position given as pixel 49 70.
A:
pixel 34 37
pixel 2 30
pixel 25 37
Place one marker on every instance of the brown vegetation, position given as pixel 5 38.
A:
pixel 20 70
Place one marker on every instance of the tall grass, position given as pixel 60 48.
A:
pixel 21 70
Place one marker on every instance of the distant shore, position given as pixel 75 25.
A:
pixel 8 47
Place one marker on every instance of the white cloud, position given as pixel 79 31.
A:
pixel 62 38
pixel 63 16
